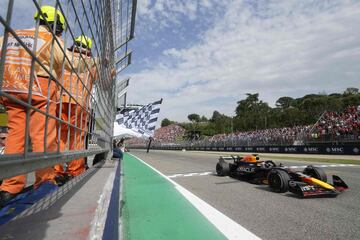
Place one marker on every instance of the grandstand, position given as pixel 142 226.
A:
pixel 332 127
pixel 164 135
pixel 336 127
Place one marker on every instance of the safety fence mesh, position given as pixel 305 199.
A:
pixel 60 61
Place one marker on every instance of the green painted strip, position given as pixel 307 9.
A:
pixel 154 209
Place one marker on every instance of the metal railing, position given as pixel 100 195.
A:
pixel 302 140
pixel 110 26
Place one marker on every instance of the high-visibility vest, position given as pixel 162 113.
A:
pixel 17 66
pixel 79 90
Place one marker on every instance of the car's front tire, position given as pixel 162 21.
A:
pixel 278 180
pixel 222 169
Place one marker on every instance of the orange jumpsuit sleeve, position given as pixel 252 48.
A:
pixel 61 59
pixel 94 69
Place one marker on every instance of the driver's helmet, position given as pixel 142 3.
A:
pixel 250 158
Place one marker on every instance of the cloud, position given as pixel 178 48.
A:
pixel 204 55
pixel 276 48
pixel 155 15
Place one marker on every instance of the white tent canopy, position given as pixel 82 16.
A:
pixel 121 131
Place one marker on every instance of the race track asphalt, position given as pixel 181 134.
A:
pixel 268 215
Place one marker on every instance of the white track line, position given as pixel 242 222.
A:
pixel 224 224
pixel 190 174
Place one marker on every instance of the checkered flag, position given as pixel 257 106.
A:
pixel 141 121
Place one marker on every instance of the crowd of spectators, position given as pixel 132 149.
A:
pixel 174 134
pixel 333 125
pixel 168 134
pixel 276 136
pixel 137 141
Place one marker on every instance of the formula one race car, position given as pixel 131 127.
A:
pixel 247 168
pixel 311 182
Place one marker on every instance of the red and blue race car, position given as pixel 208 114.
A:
pixel 311 182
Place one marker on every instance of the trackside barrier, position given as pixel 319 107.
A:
pixel 308 149
pixel 94 73
pixel 111 229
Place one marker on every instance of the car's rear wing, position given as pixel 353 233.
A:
pixel 229 158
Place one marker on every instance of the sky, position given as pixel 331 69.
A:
pixel 205 55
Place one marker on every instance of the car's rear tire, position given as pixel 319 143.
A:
pixel 222 169
pixel 315 172
pixel 278 180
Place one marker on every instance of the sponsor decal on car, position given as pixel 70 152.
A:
pixel 246 169
pixel 307 188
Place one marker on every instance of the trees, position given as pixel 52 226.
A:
pixel 194 117
pixel 351 91
pixel 215 116
pixel 247 105
pixel 284 102
pixel 203 119
pixel 166 122
pixel 252 113
pixel 350 100
pixel 221 123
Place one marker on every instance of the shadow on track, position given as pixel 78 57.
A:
pixel 34 221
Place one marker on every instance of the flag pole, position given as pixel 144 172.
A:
pixel 148 147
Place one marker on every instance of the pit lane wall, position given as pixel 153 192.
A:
pixel 308 149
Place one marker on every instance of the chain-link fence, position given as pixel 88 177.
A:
pixel 59 64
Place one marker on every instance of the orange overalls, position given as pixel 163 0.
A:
pixel 44 94
pixel 75 114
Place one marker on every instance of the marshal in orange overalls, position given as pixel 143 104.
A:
pixel 44 95
pixel 75 113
